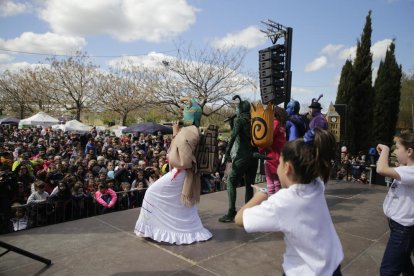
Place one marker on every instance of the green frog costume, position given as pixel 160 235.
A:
pixel 245 160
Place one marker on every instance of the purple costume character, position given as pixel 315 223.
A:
pixel 318 120
pixel 295 124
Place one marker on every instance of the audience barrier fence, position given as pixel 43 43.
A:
pixel 54 211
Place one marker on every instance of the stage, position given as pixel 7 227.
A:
pixel 106 244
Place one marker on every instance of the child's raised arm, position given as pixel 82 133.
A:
pixel 382 166
pixel 258 198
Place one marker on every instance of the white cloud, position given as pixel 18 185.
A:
pixel 15 67
pixel 152 60
pixel 374 74
pixel 10 8
pixel 347 53
pixel 336 80
pixel 303 96
pixel 249 38
pixel 379 49
pixel 331 49
pixel 125 20
pixel 316 64
pixel 48 43
pixel 5 58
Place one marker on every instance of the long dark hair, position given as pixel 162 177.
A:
pixel 280 115
pixel 311 157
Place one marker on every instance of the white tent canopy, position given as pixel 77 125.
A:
pixel 117 129
pixel 39 119
pixel 73 126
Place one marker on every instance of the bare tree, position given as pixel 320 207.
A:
pixel 123 90
pixel 71 82
pixel 16 93
pixel 211 76
pixel 36 81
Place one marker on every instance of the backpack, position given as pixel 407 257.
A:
pixel 262 125
pixel 207 151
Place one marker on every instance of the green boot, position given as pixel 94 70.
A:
pixel 229 217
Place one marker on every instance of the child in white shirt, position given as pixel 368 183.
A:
pixel 300 210
pixel 40 195
pixel 398 206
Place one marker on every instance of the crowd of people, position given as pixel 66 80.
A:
pixel 354 168
pixel 55 172
pixel 49 176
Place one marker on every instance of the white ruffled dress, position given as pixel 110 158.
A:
pixel 164 218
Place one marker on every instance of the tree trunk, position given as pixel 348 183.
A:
pixel 124 118
pixel 21 111
pixel 78 113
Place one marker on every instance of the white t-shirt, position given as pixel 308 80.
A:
pixel 301 213
pixel 399 202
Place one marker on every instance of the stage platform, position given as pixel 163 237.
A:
pixel 106 244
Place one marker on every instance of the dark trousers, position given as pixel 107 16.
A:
pixel 242 167
pixel 397 255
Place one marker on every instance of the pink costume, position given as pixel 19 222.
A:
pixel 273 154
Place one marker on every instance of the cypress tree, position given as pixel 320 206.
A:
pixel 387 97
pixel 343 95
pixel 360 104
pixel 345 84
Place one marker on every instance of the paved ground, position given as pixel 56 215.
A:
pixel 106 245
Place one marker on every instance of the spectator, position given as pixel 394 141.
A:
pixel 217 181
pixel 39 196
pixel 38 204
pixel 61 198
pixel 106 197
pixel 127 198
pixel 155 175
pixel 122 174
pixel 90 148
pixel 140 178
pixel 20 220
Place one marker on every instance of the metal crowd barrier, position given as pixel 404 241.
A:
pixel 56 211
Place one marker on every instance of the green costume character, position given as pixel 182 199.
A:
pixel 192 112
pixel 245 160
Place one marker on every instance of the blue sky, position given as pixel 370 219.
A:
pixel 324 32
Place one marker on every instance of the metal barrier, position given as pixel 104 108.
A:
pixel 56 211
